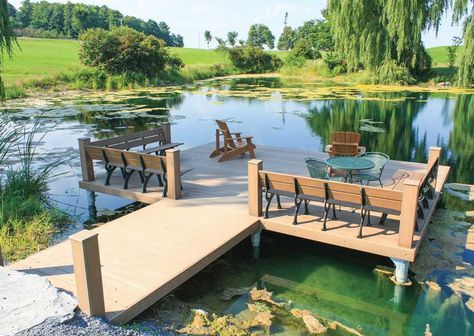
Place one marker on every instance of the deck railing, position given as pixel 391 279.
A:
pixel 408 197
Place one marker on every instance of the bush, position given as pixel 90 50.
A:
pixel 254 60
pixel 335 63
pixel 392 73
pixel 125 50
pixel 303 48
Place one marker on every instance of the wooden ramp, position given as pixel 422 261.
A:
pixel 148 253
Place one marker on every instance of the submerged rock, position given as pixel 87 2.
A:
pixel 230 293
pixel 264 295
pixel 312 323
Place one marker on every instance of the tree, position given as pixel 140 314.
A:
pixel 254 59
pixel 123 50
pixel 317 33
pixel 287 39
pixel 232 38
pixel 373 32
pixel 260 35
pixel 452 52
pixel 208 37
pixel 24 13
pixel 6 39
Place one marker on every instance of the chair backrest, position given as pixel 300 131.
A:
pixel 379 159
pixel 114 157
pixel 345 137
pixel 134 140
pixel 226 132
pixel 344 149
pixel 316 168
pixel 154 162
pixel 345 192
pixel 132 159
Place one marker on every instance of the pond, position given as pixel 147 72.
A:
pixel 336 284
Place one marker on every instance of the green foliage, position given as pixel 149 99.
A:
pixel 335 62
pixel 125 50
pixel 232 38
pixel 6 39
pixel 27 220
pixel 373 32
pixel 392 73
pixel 208 37
pixel 303 48
pixel 70 20
pixel 251 59
pixel 452 52
pixel 287 39
pixel 317 33
pixel 466 63
pixel 259 36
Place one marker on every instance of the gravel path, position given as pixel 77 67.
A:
pixel 92 326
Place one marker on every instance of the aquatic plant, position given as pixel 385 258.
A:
pixel 27 219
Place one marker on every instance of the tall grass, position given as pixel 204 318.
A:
pixel 27 219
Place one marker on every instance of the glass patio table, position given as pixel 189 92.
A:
pixel 349 163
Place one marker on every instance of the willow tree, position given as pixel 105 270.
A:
pixel 6 38
pixel 373 32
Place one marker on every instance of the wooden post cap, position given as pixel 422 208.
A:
pixel 83 235
pixel 255 162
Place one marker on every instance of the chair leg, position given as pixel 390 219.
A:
pixel 269 200
pixel 142 179
pixel 306 210
pixel 279 202
pixel 334 217
pixel 381 184
pixel 297 208
pixel 327 207
pixel 362 219
pixel 110 171
pixel 127 179
pixel 420 212
pixel 146 179
pixel 160 180
pixel 383 218
pixel 368 219
pixel 165 189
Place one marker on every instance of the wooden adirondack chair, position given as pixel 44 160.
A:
pixel 345 144
pixel 233 144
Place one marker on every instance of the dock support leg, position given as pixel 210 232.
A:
pixel 2 263
pixel 255 237
pixel 92 208
pixel 401 271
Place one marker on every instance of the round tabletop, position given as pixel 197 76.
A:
pixel 349 163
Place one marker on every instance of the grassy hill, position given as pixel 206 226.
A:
pixel 40 58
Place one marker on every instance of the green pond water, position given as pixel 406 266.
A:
pixel 337 284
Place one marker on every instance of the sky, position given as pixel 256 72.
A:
pixel 191 18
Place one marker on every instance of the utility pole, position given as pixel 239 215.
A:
pixel 286 19
pixel 199 39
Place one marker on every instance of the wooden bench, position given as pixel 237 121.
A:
pixel 146 165
pixel 330 193
pixel 159 137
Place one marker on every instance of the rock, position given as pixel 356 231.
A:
pixel 433 285
pixel 229 293
pixel 29 300
pixel 312 323
pixel 470 304
pixel 264 295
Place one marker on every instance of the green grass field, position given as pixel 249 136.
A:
pixel 41 58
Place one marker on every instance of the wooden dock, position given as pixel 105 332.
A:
pixel 148 253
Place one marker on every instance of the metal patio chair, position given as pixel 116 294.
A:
pixel 375 174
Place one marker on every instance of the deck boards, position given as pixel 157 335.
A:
pixel 148 253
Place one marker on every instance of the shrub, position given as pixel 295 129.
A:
pixel 392 73
pixel 254 60
pixel 125 50
pixel 303 48
pixel 335 62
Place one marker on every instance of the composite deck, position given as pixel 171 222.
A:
pixel 148 253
